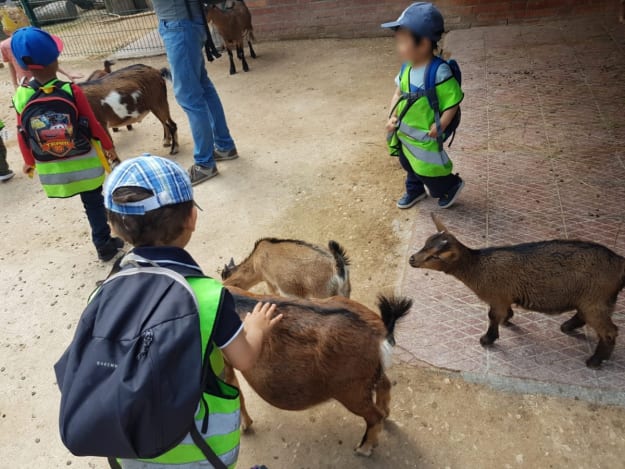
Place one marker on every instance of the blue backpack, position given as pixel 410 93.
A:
pixel 430 93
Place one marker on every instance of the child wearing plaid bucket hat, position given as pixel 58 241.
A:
pixel 149 201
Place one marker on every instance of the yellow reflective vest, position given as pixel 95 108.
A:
pixel 422 151
pixel 219 412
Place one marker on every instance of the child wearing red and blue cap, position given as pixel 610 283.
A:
pixel 59 136
pixel 422 113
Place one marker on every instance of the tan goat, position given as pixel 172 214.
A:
pixel 293 268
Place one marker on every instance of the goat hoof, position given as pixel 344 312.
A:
pixel 246 425
pixel 594 363
pixel 167 144
pixel 364 450
pixel 115 129
pixel 508 323
pixel 173 151
pixel 486 341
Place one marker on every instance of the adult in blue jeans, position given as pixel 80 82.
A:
pixel 183 29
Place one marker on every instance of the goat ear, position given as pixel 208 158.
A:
pixel 439 225
pixel 231 264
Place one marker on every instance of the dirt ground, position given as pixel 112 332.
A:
pixel 308 122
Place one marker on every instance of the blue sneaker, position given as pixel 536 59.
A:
pixel 409 200
pixel 447 200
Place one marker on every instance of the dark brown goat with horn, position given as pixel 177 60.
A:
pixel 550 277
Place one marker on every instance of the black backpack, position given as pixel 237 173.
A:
pixel 124 391
pixel 51 125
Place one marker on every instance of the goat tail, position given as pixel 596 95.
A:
pixel 166 73
pixel 341 258
pixel 392 309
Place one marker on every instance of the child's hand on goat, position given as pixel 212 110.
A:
pixel 391 125
pixel 262 317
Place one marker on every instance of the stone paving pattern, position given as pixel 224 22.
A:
pixel 541 147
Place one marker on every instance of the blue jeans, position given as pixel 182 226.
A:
pixel 196 94
pixel 93 201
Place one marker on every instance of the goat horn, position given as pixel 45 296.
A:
pixel 439 225
pixel 231 264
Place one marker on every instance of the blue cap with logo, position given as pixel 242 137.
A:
pixel 422 19
pixel 34 48
pixel 169 183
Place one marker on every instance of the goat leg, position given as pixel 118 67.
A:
pixel 360 402
pixel 496 316
pixel 232 380
pixel 607 331
pixel 233 69
pixel 252 51
pixel 572 324
pixel 241 56
pixel 129 127
pixel 506 322
pixel 173 135
pixel 383 395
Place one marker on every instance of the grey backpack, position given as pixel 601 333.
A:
pixel 125 392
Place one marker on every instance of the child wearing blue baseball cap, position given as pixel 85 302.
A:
pixel 425 108
pixel 149 201
pixel 59 136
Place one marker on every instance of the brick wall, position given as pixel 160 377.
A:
pixel 275 19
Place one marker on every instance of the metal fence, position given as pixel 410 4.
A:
pixel 90 28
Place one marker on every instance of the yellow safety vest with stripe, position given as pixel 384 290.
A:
pixel 67 176
pixel 223 405
pixel 422 151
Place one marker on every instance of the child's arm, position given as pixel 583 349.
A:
pixel 243 351
pixel 27 154
pixel 96 128
pixel 446 118
pixel 71 75
pixel 391 125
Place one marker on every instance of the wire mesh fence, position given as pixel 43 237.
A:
pixel 94 28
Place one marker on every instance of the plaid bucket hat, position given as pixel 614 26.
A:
pixel 169 183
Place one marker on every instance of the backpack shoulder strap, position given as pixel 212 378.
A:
pixel 431 71
pixel 430 91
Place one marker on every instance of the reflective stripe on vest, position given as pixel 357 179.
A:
pixel 224 420
pixel 421 150
pixel 66 177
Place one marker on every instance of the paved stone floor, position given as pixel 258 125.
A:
pixel 541 148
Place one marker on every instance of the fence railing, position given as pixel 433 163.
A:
pixel 125 28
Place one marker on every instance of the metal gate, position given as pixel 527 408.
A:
pixel 91 28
